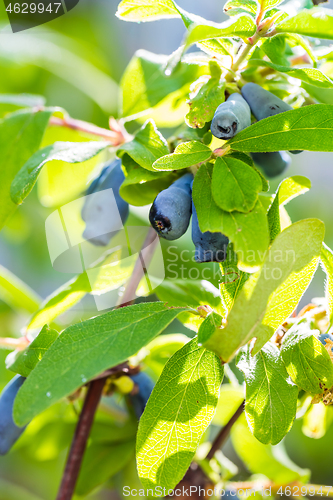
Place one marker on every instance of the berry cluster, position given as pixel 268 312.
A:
pixel 173 207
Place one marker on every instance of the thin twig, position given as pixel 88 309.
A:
pixel 224 433
pixel 140 268
pixel 80 440
pixel 115 137
pixel 95 389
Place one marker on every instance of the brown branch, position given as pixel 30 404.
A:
pixel 95 389
pixel 224 433
pixel 80 440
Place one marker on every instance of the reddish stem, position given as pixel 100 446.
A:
pixel 80 440
pixel 115 137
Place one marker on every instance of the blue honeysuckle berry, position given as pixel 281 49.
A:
pixel 170 213
pixel 9 431
pixel 262 102
pixel 98 211
pixel 145 385
pixel 231 117
pixel 273 164
pixel 209 247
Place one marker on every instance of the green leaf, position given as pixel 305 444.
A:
pixel 20 136
pixel 310 128
pixel 240 26
pixel 205 98
pixel 217 47
pixel 245 158
pixel 69 152
pixel 23 362
pixel 200 29
pixel 268 4
pixel 288 190
pixel 271 397
pixel 236 7
pixel 147 146
pixel 101 462
pixel 248 232
pixel 326 258
pixel 145 10
pixel 85 350
pixel 13 102
pixel 208 326
pixel 316 22
pixel 190 293
pixel 308 75
pixel 16 293
pixel 270 461
pixel 177 414
pixel 268 298
pixel 185 155
pixel 141 186
pixel 275 48
pixel 235 185
pixel 232 279
pixel 144 84
pixel 307 361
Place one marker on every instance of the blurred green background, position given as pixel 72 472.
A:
pixel 76 62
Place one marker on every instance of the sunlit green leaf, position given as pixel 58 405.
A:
pixel 145 10
pixel 269 297
pixel 271 397
pixel 307 361
pixel 177 414
pixel 316 22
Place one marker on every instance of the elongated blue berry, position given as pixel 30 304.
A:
pixel 209 247
pixel 262 102
pixel 103 217
pixel 145 385
pixel 273 164
pixel 9 431
pixel 170 213
pixel 231 117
